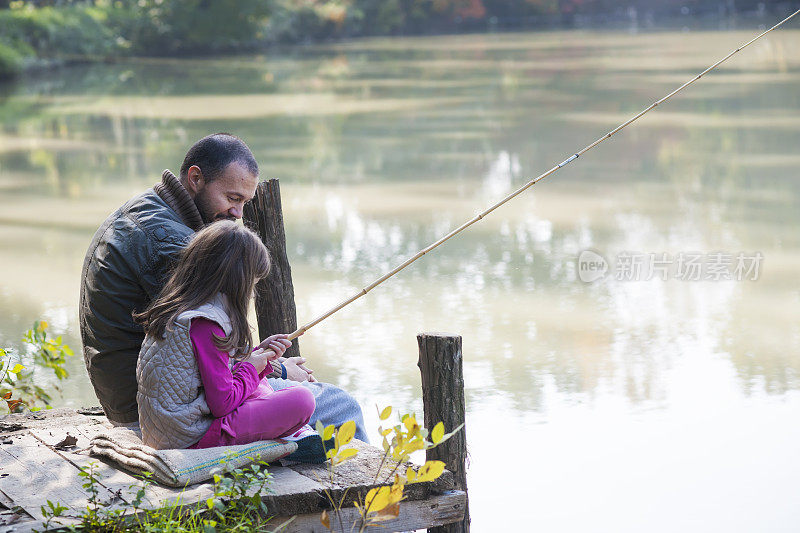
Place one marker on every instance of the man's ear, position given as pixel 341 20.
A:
pixel 194 180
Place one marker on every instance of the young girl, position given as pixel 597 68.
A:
pixel 189 396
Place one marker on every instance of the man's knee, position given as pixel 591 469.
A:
pixel 336 406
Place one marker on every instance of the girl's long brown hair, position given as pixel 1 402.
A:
pixel 223 257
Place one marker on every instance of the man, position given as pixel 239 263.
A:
pixel 129 259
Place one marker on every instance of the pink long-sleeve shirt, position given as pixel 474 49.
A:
pixel 225 388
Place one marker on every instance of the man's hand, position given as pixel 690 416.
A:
pixel 296 371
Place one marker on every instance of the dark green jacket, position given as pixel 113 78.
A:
pixel 125 268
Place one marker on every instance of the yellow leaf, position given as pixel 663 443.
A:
pixel 377 499
pixel 396 493
pixel 346 454
pixel 411 423
pixel 347 432
pixel 410 475
pixel 386 412
pixel 330 454
pixel 390 512
pixel 437 433
pixel 43 325
pixel 325 519
pixel 17 369
pixel 328 432
pixel 385 432
pixel 210 503
pixel 371 494
pixel 385 445
pixel 430 471
pixel 413 446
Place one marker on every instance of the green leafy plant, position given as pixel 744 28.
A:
pixel 10 375
pixel 52 511
pixel 235 505
pixel 48 353
pixel 17 385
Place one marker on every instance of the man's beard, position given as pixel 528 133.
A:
pixel 206 211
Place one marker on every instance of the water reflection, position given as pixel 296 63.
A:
pixel 384 146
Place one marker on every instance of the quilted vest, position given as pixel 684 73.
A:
pixel 173 412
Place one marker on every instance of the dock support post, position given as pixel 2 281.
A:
pixel 440 363
pixel 275 308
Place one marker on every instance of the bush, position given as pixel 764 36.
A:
pixel 154 27
pixel 17 385
pixel 53 33
pixel 10 61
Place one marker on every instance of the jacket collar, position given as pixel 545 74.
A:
pixel 175 195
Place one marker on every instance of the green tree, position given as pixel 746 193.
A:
pixel 157 27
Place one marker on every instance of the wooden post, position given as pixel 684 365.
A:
pixel 275 307
pixel 440 363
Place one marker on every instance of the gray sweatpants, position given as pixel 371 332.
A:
pixel 334 405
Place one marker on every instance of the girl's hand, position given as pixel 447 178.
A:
pixel 278 344
pixel 259 359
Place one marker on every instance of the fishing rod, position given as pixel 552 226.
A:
pixel 525 187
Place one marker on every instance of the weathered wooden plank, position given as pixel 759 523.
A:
pixel 357 475
pixel 288 490
pixel 53 435
pixel 12 521
pixel 12 514
pixel 37 474
pixel 287 482
pixel 28 526
pixel 437 510
pixel 358 471
pixel 63 416
pixel 290 493
pixel 5 501
pixel 119 482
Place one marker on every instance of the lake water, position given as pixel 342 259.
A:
pixel 665 402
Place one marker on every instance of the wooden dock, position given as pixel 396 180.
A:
pixel 34 468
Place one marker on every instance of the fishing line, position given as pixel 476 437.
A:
pixel 532 182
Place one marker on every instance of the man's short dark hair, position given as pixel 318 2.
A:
pixel 215 152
